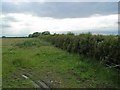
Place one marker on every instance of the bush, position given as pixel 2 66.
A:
pixel 102 48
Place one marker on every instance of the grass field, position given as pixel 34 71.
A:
pixel 56 67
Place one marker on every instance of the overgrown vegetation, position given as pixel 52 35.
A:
pixel 48 63
pixel 102 48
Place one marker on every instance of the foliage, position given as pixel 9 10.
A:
pixel 46 33
pixel 3 36
pixel 70 33
pixel 35 34
pixel 103 48
pixel 47 62
pixel 38 34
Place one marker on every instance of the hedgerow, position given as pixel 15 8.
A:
pixel 104 48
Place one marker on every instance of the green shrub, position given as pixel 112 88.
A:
pixel 103 48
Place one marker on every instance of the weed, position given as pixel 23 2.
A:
pixel 46 62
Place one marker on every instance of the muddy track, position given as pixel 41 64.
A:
pixel 37 83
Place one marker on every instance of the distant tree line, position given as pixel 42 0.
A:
pixel 105 49
pixel 15 37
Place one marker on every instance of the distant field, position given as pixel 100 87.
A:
pixel 57 68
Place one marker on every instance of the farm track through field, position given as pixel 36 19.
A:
pixel 30 63
pixel 38 83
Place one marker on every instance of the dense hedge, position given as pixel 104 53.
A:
pixel 102 48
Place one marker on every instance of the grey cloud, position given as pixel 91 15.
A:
pixel 62 9
pixel 5 26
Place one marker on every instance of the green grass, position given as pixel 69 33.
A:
pixel 46 62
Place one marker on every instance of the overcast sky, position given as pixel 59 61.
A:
pixel 20 18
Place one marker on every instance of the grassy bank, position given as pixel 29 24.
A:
pixel 54 66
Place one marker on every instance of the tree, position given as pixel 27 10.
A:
pixel 46 33
pixel 36 34
pixel 70 33
pixel 30 35
pixel 3 36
